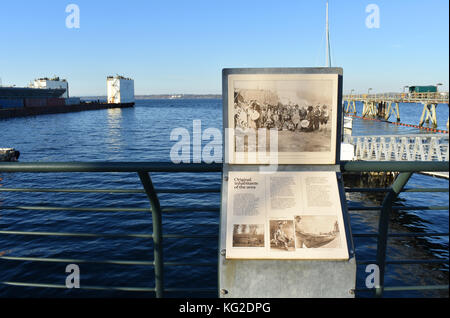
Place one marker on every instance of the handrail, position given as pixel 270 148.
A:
pixel 107 167
pixel 144 168
pixel 346 166
pixel 402 97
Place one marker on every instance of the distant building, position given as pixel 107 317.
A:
pixel 52 83
pixel 423 89
pixel 120 90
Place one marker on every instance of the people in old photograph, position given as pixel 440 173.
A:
pixel 282 235
pixel 248 235
pixel 317 232
pixel 299 111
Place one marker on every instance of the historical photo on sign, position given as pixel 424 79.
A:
pixel 317 232
pixel 282 235
pixel 300 108
pixel 248 235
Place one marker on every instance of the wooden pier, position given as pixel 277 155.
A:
pixel 384 105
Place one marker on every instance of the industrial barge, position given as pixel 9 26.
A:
pixel 51 96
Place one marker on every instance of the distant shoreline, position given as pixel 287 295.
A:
pixel 180 96
pixel 163 96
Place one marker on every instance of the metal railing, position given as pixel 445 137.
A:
pixel 430 97
pixel 419 147
pixel 143 171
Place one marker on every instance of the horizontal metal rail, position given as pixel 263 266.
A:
pixel 384 190
pixel 407 262
pixel 400 234
pixel 128 289
pixel 56 190
pixel 138 235
pixel 406 288
pixel 110 209
pixel 390 166
pixel 200 190
pixel 197 209
pixel 93 261
pixel 108 167
pixel 346 166
pixel 105 288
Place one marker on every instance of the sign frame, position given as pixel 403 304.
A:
pixel 284 84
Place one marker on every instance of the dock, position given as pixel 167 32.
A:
pixel 443 175
pixel 383 106
pixel 35 111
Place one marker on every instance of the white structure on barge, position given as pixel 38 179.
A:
pixel 52 83
pixel 120 90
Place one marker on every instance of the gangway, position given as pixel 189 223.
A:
pixel 418 147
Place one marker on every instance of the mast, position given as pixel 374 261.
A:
pixel 328 53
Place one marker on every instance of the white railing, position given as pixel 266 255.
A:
pixel 426 147
pixel 440 97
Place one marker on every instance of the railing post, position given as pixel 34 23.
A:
pixel 383 225
pixel 157 232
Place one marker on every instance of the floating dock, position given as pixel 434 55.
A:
pixel 442 175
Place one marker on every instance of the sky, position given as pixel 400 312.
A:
pixel 181 47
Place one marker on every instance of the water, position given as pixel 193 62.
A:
pixel 143 134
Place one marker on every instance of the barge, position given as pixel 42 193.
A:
pixel 43 110
pixel 50 96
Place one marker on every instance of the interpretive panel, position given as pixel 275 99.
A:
pixel 284 215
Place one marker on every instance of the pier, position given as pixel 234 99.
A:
pixel 384 106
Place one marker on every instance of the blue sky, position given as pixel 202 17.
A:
pixel 179 46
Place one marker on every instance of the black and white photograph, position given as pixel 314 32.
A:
pixel 301 108
pixel 282 235
pixel 321 231
pixel 300 116
pixel 248 235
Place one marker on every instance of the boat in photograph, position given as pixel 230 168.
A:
pixel 311 240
